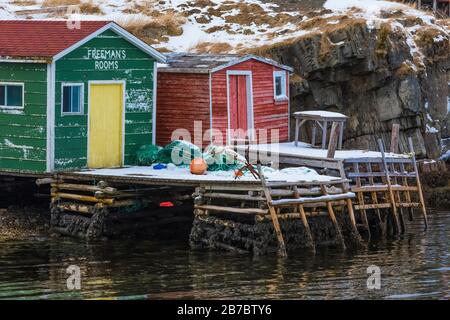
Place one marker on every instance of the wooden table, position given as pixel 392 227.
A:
pixel 320 119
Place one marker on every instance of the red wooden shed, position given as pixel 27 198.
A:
pixel 215 93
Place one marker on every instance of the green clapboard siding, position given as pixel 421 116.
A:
pixel 23 132
pixel 71 132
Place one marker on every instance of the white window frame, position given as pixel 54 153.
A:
pixel 23 95
pixel 283 95
pixel 72 84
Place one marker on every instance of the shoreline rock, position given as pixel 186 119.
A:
pixel 24 222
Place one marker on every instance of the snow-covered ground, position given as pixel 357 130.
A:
pixel 238 23
pixel 174 173
pixel 305 150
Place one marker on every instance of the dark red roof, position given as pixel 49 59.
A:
pixel 41 39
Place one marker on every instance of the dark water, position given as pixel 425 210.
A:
pixel 413 267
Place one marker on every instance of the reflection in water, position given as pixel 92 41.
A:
pixel 415 266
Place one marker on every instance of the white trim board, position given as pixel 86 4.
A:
pixel 249 57
pixel 50 161
pixel 12 83
pixel 284 75
pixel 68 84
pixel 124 104
pixel 210 110
pixel 6 60
pixel 155 87
pixel 121 32
pixel 250 111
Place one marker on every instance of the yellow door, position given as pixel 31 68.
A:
pixel 105 125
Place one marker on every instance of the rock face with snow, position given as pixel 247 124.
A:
pixel 380 69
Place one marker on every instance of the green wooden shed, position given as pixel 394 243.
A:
pixel 73 95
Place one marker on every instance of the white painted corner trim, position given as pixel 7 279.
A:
pixel 50 161
pixel 155 82
pixel 250 57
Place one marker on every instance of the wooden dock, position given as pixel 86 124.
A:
pixel 357 191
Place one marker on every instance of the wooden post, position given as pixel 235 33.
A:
pixel 313 134
pixel 297 130
pixel 332 216
pixel 341 134
pixel 434 5
pixel 375 198
pixel 324 134
pixel 305 221
pixel 399 201
pixel 273 215
pixel 408 195
pixel 419 4
pixel 332 145
pixel 389 185
pixel 419 185
pixel 361 202
pixel 394 137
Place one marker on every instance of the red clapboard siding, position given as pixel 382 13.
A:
pixel 268 113
pixel 182 98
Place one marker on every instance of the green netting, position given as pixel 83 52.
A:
pixel 222 159
pixel 179 152
pixel 147 155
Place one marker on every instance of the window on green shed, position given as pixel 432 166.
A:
pixel 72 98
pixel 11 95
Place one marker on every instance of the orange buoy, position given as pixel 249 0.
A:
pixel 198 166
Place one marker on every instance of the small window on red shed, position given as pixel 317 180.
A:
pixel 279 85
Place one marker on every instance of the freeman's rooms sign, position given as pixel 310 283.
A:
pixel 106 59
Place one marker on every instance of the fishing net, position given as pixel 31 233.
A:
pixel 222 159
pixel 179 152
pixel 147 155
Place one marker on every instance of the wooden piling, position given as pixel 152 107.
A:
pixel 334 139
pixel 419 185
pixel 389 185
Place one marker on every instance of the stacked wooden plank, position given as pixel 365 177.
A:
pixel 233 207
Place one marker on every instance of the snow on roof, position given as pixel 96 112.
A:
pixel 205 63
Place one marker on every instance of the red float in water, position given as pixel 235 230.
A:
pixel 166 204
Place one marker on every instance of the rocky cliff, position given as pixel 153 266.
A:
pixel 393 69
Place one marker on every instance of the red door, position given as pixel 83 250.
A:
pixel 238 106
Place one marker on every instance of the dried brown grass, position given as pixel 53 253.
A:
pixel 425 36
pixel 23 2
pixel 406 69
pixel 326 30
pixel 90 8
pixel 381 46
pixel 154 29
pixel 56 3
pixel 213 47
